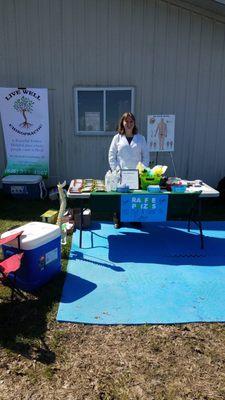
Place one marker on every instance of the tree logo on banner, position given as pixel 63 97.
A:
pixel 24 105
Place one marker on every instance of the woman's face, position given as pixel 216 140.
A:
pixel 128 123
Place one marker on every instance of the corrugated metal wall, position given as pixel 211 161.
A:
pixel 172 55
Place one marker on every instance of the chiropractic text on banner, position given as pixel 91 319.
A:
pixel 25 121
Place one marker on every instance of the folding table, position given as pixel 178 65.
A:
pixel 191 199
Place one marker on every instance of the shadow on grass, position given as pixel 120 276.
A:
pixel 24 322
pixel 24 210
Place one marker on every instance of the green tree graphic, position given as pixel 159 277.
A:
pixel 24 105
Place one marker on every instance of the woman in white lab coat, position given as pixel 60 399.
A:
pixel 127 148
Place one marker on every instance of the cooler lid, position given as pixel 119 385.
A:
pixel 34 234
pixel 24 179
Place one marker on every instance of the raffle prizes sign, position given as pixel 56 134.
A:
pixel 143 207
pixel 24 114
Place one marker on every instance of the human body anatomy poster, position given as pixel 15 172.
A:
pixel 160 132
pixel 25 122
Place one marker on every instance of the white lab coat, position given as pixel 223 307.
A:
pixel 126 155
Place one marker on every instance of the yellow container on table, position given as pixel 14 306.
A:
pixel 147 180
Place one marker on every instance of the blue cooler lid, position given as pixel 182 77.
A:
pixel 25 179
pixel 35 234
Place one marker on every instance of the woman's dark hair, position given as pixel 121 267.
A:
pixel 121 128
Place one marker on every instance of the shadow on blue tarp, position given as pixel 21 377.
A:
pixel 166 277
pixel 75 288
pixel 78 255
pixel 162 244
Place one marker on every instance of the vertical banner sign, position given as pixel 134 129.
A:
pixel 144 208
pixel 24 114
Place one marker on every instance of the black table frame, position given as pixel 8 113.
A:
pixel 194 214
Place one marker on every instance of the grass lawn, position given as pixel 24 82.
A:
pixel 43 359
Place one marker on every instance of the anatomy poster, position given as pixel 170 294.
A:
pixel 160 132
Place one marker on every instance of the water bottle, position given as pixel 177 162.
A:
pixel 63 234
pixel 114 181
pixel 108 180
pixel 118 175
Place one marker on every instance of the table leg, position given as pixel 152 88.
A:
pixel 199 219
pixel 81 222
pixel 200 222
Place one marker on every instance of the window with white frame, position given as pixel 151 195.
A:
pixel 98 109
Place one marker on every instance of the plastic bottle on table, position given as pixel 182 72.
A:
pixel 114 181
pixel 108 181
pixel 63 234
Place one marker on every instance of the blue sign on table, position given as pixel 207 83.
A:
pixel 143 207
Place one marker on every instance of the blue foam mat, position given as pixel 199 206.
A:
pixel 157 275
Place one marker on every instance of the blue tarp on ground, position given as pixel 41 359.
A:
pixel 156 275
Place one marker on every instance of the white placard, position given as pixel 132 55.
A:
pixel 51 256
pixel 24 114
pixel 160 132
pixel 129 177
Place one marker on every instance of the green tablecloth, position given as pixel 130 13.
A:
pixel 179 204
